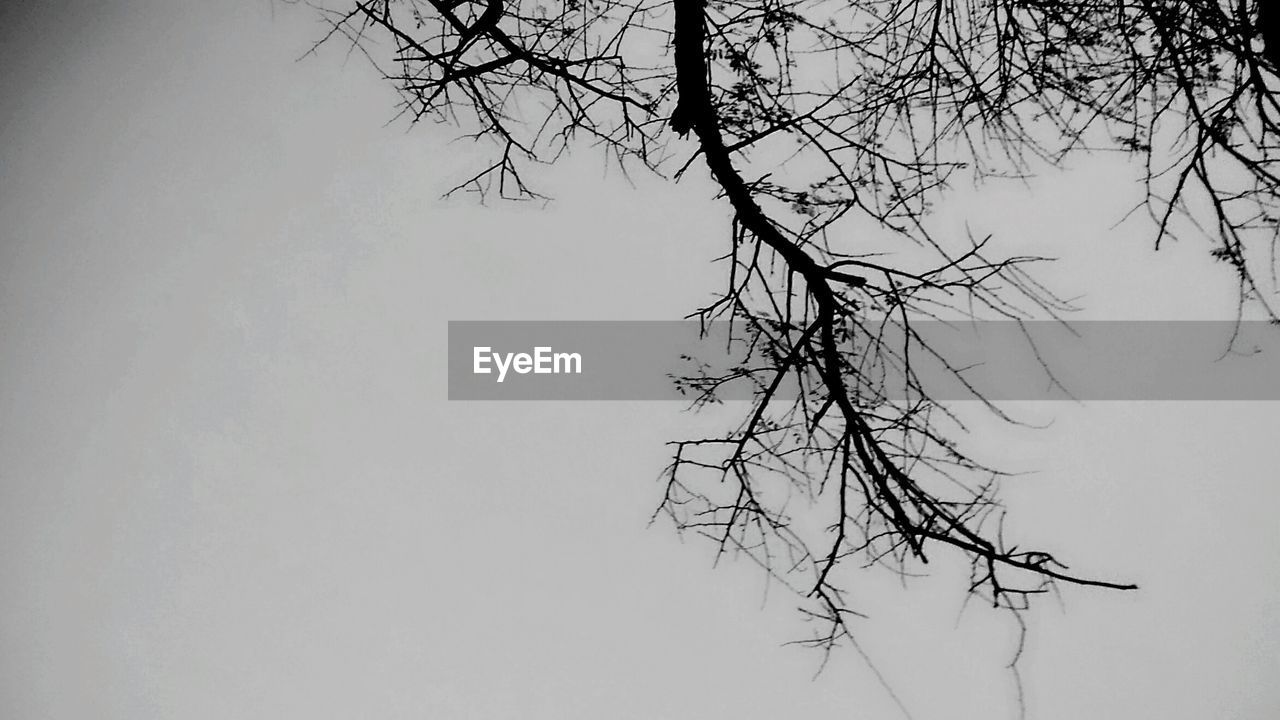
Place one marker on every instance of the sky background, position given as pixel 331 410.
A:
pixel 231 485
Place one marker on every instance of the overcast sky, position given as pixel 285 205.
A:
pixel 231 485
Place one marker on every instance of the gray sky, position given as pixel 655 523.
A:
pixel 231 485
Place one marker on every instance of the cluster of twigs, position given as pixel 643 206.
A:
pixel 827 125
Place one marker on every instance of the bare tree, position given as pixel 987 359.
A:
pixel 831 127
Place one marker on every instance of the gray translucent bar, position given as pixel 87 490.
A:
pixel 994 360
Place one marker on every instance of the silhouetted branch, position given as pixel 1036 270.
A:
pixel 832 128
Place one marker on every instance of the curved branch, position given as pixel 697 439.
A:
pixel 912 512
